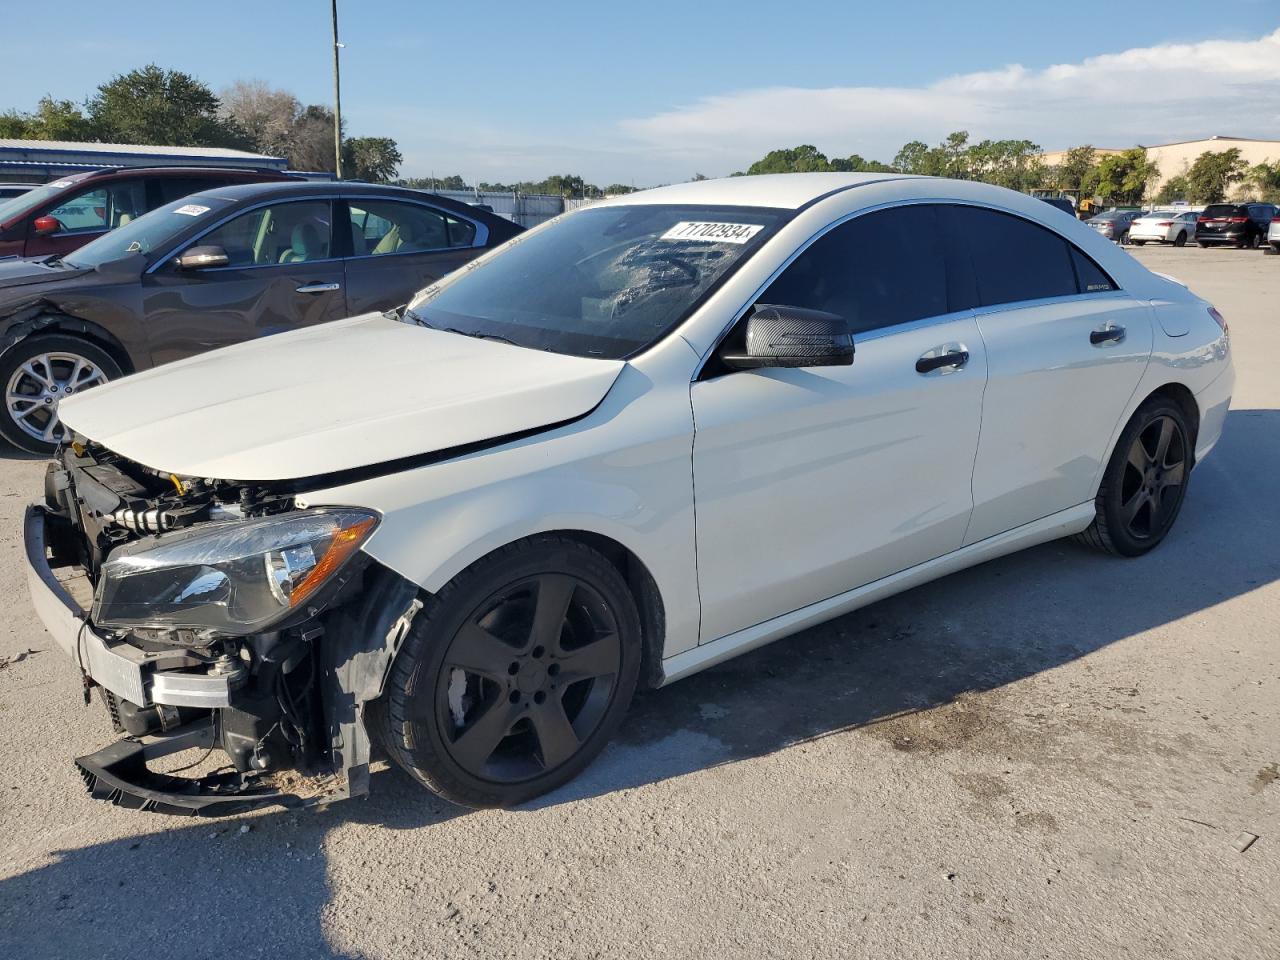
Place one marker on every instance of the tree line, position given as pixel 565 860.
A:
pixel 1124 178
pixel 159 107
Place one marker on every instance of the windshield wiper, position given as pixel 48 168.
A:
pixel 417 318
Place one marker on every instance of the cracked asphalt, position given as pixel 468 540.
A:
pixel 1056 754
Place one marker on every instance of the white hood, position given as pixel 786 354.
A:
pixel 332 397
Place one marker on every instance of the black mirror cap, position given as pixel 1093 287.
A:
pixel 203 258
pixel 784 336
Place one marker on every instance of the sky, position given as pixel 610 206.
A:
pixel 657 91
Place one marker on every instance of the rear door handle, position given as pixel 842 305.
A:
pixel 319 287
pixel 956 358
pixel 1107 335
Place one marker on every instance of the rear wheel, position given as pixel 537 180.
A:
pixel 1145 482
pixel 1201 244
pixel 37 373
pixel 1181 239
pixel 516 675
pixel 1137 243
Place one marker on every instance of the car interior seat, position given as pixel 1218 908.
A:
pixel 304 244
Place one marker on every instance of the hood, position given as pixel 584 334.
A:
pixel 333 397
pixel 20 273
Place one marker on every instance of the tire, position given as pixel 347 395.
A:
pixel 1272 249
pixel 1145 481
pixel 1251 243
pixel 1201 244
pixel 1181 239
pixel 42 367
pixel 1137 243
pixel 480 706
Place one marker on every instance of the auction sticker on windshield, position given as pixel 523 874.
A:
pixel 712 232
pixel 191 210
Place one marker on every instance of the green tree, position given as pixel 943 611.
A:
pixel 805 158
pixel 615 189
pixel 52 120
pixel 1121 178
pixel 1014 164
pixel 912 158
pixel 1075 166
pixel 1265 179
pixel 854 163
pixel 1175 188
pixel 375 159
pixel 1212 175
pixel 167 107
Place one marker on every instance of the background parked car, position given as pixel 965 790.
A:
pixel 1166 227
pixel 213 269
pixel 1114 224
pixel 1273 236
pixel 10 190
pixel 1062 203
pixel 1236 224
pixel 65 214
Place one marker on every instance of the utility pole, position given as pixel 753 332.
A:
pixel 337 99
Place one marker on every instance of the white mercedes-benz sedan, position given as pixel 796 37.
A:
pixel 640 439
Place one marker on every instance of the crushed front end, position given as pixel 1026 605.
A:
pixel 217 616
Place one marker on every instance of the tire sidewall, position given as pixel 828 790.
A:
pixel 420 746
pixel 24 350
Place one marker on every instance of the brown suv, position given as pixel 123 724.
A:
pixel 65 214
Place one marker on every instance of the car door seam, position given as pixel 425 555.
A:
pixel 982 409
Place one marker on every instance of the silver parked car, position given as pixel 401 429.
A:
pixel 1114 224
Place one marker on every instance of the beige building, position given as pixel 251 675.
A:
pixel 1173 159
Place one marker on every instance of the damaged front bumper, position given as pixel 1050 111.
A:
pixel 171 700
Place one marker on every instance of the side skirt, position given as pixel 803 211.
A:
pixel 1061 524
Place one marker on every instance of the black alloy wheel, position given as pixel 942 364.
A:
pixel 515 677
pixel 1145 482
pixel 528 677
pixel 1154 475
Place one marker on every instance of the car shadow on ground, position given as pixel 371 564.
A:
pixel 265 892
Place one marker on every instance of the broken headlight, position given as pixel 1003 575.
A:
pixel 229 579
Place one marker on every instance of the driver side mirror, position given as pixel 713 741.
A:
pixel 781 336
pixel 43 226
pixel 202 258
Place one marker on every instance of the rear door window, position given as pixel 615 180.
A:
pixel 1013 259
pixel 382 227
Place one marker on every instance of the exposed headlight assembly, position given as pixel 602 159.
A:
pixel 228 579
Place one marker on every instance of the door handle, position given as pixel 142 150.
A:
pixel 319 287
pixel 956 358
pixel 1107 335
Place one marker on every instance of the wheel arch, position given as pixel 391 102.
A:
pixel 42 320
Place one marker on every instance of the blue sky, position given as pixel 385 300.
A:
pixel 657 91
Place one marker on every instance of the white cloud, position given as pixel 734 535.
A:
pixel 1144 95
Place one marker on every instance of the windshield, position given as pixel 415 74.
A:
pixel 147 234
pixel 604 282
pixel 1223 210
pixel 16 206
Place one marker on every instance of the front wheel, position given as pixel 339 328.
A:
pixel 516 674
pixel 37 374
pixel 1137 243
pixel 1201 244
pixel 1145 481
pixel 1181 239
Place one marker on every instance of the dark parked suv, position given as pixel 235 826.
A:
pixel 213 269
pixel 65 214
pixel 1237 224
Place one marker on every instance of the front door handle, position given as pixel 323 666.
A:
pixel 1107 335
pixel 319 287
pixel 956 358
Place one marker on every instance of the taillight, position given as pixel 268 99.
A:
pixel 1165 223
pixel 1237 219
pixel 1202 219
pixel 1218 318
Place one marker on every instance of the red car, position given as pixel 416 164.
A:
pixel 69 212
